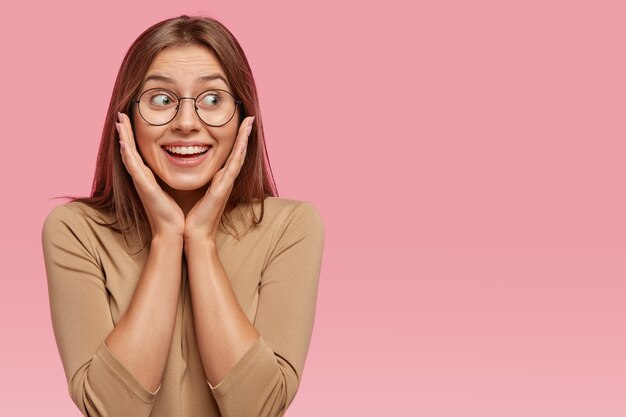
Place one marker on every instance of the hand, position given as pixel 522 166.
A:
pixel 164 214
pixel 204 218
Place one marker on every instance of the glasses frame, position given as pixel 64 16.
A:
pixel 237 103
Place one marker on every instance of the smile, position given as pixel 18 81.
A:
pixel 187 156
pixel 186 150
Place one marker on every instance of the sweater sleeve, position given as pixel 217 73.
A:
pixel 265 380
pixel 81 319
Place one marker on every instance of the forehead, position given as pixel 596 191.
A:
pixel 185 64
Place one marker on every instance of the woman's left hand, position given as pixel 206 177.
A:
pixel 204 218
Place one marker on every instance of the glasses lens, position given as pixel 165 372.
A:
pixel 216 107
pixel 158 106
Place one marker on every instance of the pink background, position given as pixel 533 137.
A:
pixel 468 161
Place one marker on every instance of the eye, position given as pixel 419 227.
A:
pixel 161 99
pixel 210 99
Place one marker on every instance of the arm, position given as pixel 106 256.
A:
pixel 115 371
pixel 120 377
pixel 256 370
pixel 224 332
pixel 141 340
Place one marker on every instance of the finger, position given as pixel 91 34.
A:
pixel 241 141
pixel 133 168
pixel 142 175
pixel 124 121
pixel 237 155
pixel 123 152
pixel 224 179
pixel 125 131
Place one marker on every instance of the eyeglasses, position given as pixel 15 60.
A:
pixel 158 106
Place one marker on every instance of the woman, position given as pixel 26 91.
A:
pixel 183 286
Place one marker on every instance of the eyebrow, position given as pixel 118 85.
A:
pixel 199 80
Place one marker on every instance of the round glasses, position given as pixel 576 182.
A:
pixel 158 106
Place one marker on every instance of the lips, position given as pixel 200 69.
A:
pixel 187 156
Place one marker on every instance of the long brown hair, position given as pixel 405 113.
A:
pixel 113 190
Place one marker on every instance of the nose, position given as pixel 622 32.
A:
pixel 186 119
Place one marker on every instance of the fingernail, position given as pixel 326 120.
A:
pixel 117 127
pixel 119 117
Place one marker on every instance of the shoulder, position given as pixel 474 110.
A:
pixel 292 227
pixel 289 220
pixel 64 231
pixel 63 214
pixel 278 217
pixel 72 213
pixel 73 218
pixel 289 211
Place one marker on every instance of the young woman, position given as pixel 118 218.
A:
pixel 183 286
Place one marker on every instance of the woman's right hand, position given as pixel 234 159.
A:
pixel 164 214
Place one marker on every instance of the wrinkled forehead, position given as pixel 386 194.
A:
pixel 186 67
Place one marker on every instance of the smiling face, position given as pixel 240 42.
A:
pixel 185 153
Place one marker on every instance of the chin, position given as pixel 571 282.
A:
pixel 188 188
pixel 192 185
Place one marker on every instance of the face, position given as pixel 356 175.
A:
pixel 185 153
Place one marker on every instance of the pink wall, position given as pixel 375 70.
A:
pixel 468 159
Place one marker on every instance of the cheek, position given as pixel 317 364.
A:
pixel 145 145
pixel 226 135
pixel 141 134
pixel 227 138
pixel 140 141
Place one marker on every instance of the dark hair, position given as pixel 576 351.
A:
pixel 113 190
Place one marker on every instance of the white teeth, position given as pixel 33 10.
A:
pixel 186 150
